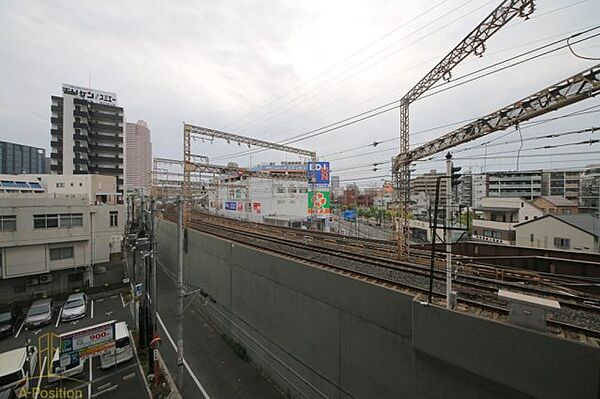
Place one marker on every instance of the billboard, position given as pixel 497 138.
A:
pixel 231 205
pixel 319 202
pixel 88 342
pixel 91 95
pixel 318 173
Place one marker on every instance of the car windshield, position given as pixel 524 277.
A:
pixel 5 316
pixel 74 304
pixel 38 310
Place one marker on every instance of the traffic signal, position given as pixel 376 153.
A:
pixel 456 177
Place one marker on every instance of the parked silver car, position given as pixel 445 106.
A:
pixel 39 314
pixel 74 308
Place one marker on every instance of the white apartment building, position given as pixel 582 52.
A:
pixel 51 239
pixel 496 218
pixel 138 161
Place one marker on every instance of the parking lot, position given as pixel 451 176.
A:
pixel 121 381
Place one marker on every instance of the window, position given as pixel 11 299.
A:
pixel 64 220
pixel 8 223
pixel 60 184
pixel 61 253
pixel 566 212
pixel 114 218
pixel 562 242
pixel 492 234
pixel 531 237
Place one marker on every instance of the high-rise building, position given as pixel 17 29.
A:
pixel 589 190
pixel 18 159
pixel 87 133
pixel 561 183
pixel 426 184
pixel 138 161
pixel 524 184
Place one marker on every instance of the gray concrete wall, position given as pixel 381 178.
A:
pixel 320 334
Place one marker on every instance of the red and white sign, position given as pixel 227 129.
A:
pixel 257 207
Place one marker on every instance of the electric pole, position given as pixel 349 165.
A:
pixel 448 231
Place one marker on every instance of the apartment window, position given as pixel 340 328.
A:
pixel 64 220
pixel 531 237
pixel 60 185
pixel 61 253
pixel 492 234
pixel 8 223
pixel 560 242
pixel 280 190
pixel 114 218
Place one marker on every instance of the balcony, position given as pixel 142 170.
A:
pixel 108 170
pixel 111 108
pixel 56 120
pixel 80 161
pixel 80 125
pixel 106 117
pixel 78 136
pixel 56 143
pixel 101 158
pixel 106 148
pixel 503 226
pixel 82 114
pixel 108 139
pixel 56 168
pixel 56 108
pixel 78 148
pixel 81 172
pixel 79 101
pixel 56 155
pixel 106 128
pixel 57 132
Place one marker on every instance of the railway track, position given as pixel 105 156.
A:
pixel 576 320
pixel 388 250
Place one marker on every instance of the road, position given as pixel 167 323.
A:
pixel 122 381
pixel 212 369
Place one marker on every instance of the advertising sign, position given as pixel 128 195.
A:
pixel 95 96
pixel 256 207
pixel 320 201
pixel 89 341
pixel 240 207
pixel 318 172
pixel 231 205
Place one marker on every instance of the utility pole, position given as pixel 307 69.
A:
pixel 180 292
pixel 448 231
pixel 154 301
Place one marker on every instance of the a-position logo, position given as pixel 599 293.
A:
pixel 45 379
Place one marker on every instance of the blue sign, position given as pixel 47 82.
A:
pixel 318 172
pixel 231 205
pixel 350 215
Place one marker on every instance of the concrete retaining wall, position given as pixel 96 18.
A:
pixel 320 334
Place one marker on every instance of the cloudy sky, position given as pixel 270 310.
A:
pixel 276 69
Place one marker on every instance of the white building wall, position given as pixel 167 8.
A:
pixel 68 131
pixel 545 230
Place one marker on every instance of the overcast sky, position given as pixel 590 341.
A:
pixel 273 69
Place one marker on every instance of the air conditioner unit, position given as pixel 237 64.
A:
pixel 29 282
pixel 45 278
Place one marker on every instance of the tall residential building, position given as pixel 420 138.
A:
pixel 426 183
pixel 525 184
pixel 87 133
pixel 561 183
pixel 589 190
pixel 19 158
pixel 138 161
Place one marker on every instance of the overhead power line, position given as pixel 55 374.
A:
pixel 394 104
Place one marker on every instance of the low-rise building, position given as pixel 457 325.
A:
pixel 556 205
pixel 553 231
pixel 495 219
pixel 50 240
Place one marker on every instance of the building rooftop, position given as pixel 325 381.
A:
pixel 558 200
